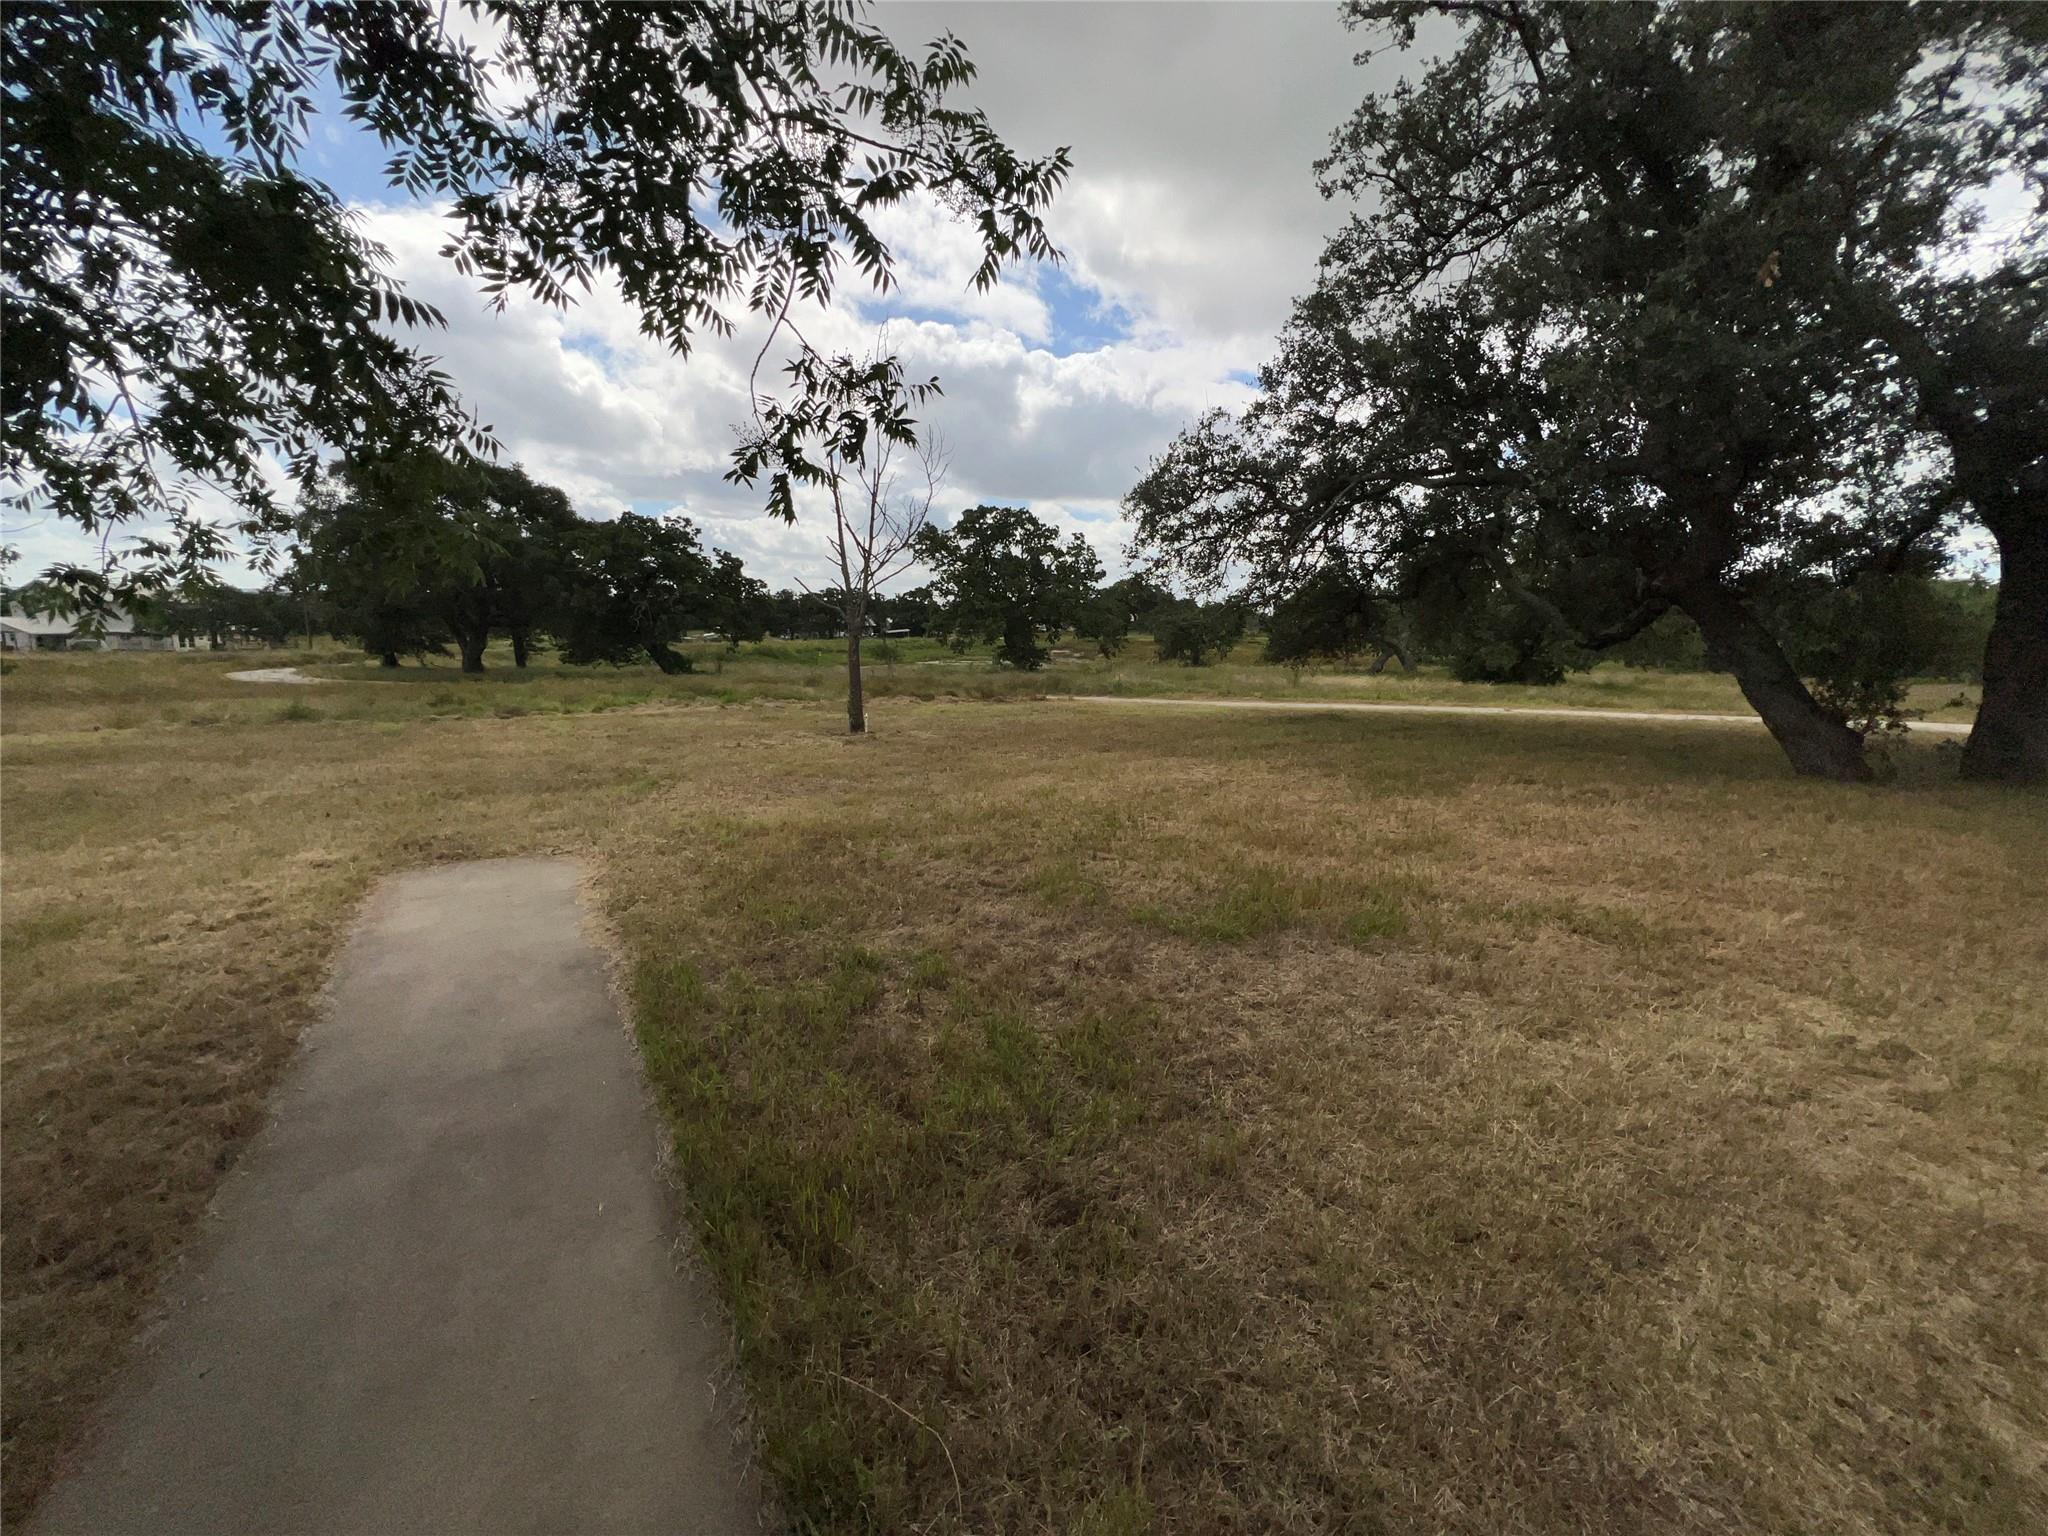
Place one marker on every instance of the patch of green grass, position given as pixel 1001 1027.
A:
pixel 1248 902
pixel 930 968
pixel 1064 882
pixel 990 1111
pixel 1103 1045
pixel 1380 916
pixel 1124 1510
pixel 1245 906
pixel 56 925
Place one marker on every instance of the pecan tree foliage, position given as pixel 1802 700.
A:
pixel 1602 335
pixel 182 300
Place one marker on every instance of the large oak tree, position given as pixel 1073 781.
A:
pixel 1604 335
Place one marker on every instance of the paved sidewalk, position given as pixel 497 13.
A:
pixel 440 1293
pixel 273 675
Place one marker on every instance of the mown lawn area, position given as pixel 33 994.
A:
pixel 1121 1120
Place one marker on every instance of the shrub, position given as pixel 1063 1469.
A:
pixel 1501 641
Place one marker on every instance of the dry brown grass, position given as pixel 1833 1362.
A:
pixel 1196 1122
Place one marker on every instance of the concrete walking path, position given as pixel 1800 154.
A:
pixel 442 1296
pixel 274 675
pixel 1542 712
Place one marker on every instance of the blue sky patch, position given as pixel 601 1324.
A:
pixel 590 346
pixel 1082 319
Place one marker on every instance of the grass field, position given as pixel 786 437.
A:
pixel 1133 1121
pixel 125 692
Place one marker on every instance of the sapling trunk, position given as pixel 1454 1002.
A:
pixel 856 703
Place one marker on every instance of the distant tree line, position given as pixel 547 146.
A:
pixel 422 555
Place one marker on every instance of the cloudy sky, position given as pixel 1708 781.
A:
pixel 1190 222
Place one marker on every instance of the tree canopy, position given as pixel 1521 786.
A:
pixel 407 553
pixel 181 300
pixel 1108 617
pixel 637 584
pixel 1591 347
pixel 1004 578
pixel 1336 615
pixel 738 607
pixel 409 549
pixel 1196 633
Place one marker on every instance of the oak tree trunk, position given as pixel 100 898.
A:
pixel 1817 744
pixel 2009 742
pixel 1390 650
pixel 472 642
pixel 388 659
pixel 522 647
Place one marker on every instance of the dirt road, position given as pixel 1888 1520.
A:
pixel 1936 727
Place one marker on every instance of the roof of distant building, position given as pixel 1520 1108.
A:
pixel 117 623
